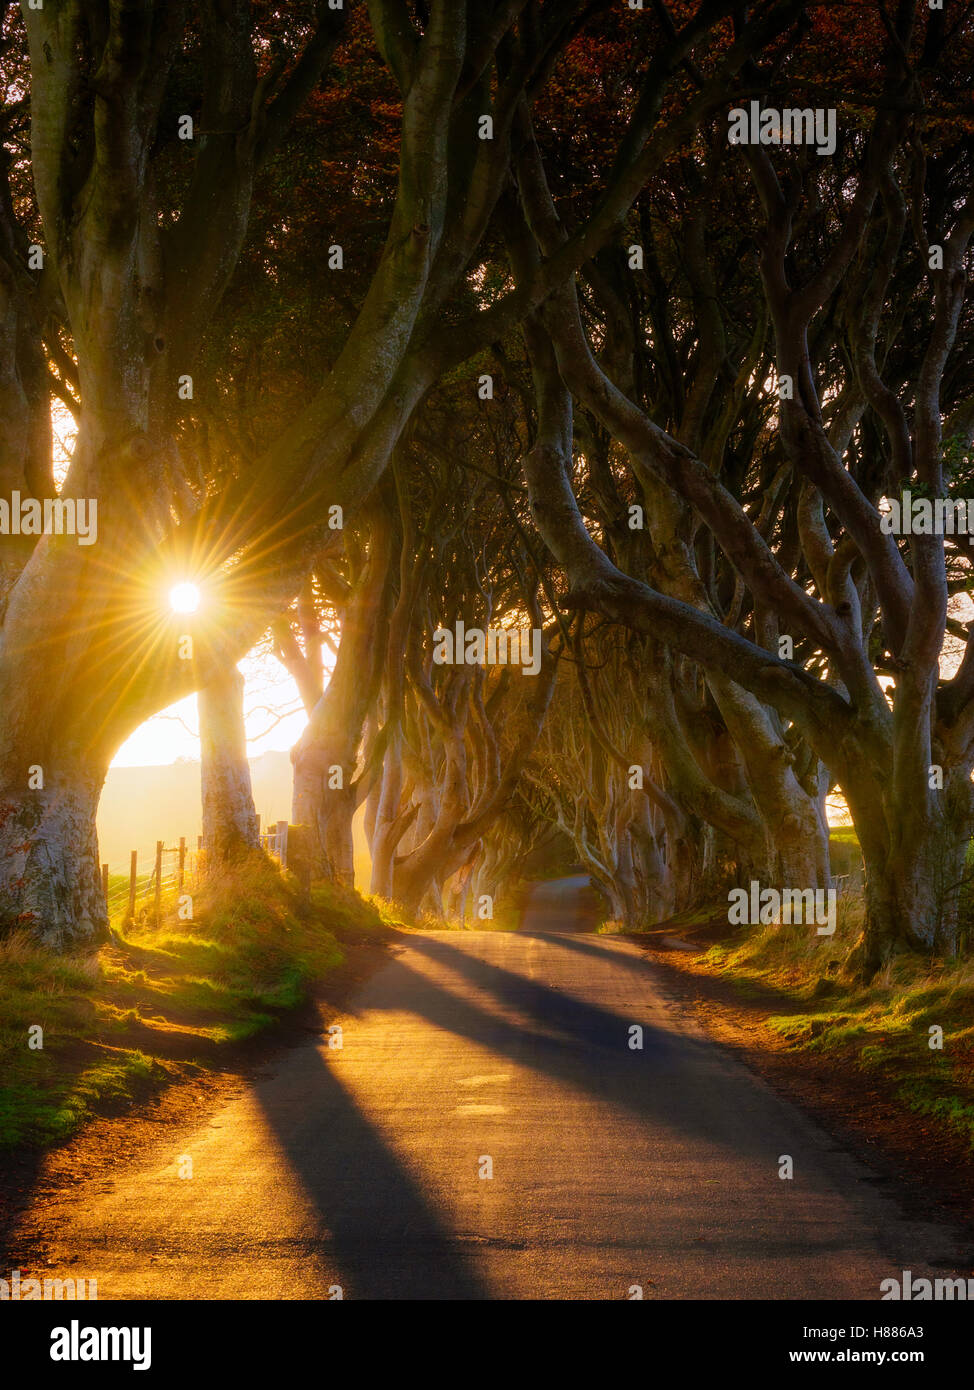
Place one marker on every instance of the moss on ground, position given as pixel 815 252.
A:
pixel 885 1027
pixel 160 999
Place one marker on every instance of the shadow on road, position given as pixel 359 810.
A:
pixel 588 946
pixel 574 1042
pixel 581 1023
pixel 378 1228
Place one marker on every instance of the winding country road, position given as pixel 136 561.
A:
pixel 612 1167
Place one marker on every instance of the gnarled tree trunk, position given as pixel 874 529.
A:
pixel 51 884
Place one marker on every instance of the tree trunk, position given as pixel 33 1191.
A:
pixel 387 822
pixel 50 881
pixel 797 845
pixel 654 881
pixel 326 755
pixel 438 856
pixel 229 817
pixel 326 808
pixel 914 874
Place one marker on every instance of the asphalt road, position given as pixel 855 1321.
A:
pixel 361 1167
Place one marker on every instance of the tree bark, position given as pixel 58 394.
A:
pixel 325 757
pixel 915 857
pixel 229 816
pixel 51 882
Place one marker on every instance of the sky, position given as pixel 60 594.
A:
pixel 273 716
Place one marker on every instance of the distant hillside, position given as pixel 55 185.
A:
pixel 143 804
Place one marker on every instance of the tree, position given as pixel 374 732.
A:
pixel 329 785
pixel 129 286
pixel 859 414
pixel 142 229
pixel 229 815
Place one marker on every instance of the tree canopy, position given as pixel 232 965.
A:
pixel 400 319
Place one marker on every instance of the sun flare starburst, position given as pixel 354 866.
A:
pixel 184 598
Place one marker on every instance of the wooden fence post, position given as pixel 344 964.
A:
pixel 182 861
pixel 158 878
pixel 133 875
pixel 282 842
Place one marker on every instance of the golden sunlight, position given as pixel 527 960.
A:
pixel 184 598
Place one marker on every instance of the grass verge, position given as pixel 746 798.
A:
pixel 160 1000
pixel 912 1025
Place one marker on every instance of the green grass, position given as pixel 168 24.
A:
pixel 879 1029
pixel 686 923
pixel 161 1000
pixel 844 849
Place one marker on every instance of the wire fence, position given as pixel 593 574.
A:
pixel 171 870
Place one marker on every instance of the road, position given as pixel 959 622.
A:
pixel 364 1168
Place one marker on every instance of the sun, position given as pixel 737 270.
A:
pixel 184 598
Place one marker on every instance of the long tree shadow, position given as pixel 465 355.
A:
pixel 379 1235
pixel 586 946
pixel 577 1043
pixel 589 1024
